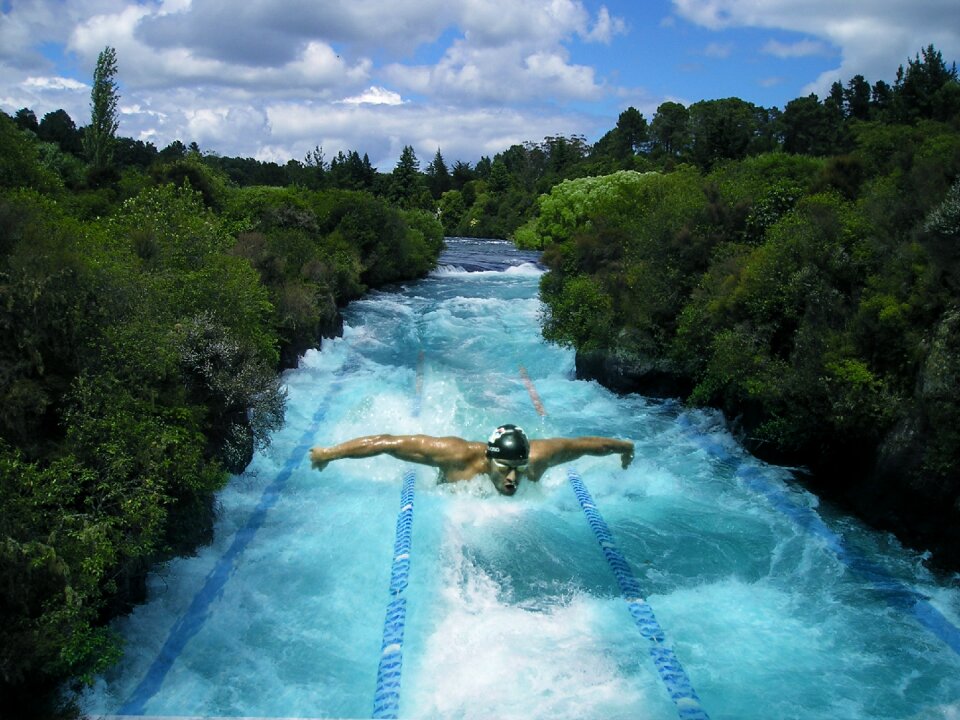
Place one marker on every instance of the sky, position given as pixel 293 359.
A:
pixel 274 79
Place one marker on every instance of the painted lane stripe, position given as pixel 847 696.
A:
pixel 664 660
pixel 386 700
pixel 896 594
pixel 192 621
pixel 671 672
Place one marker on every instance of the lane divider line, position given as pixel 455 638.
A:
pixel 668 666
pixel 386 699
pixel 898 595
pixel 192 621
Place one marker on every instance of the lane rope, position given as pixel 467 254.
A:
pixel 192 621
pixel 668 666
pixel 386 699
pixel 898 595
pixel 671 672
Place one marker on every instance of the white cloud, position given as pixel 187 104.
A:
pixel 374 95
pixel 868 33
pixel 606 27
pixel 382 131
pixel 229 74
pixel 54 83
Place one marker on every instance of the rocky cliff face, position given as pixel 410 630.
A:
pixel 912 487
pixel 906 484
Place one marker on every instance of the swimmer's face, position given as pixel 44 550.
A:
pixel 506 476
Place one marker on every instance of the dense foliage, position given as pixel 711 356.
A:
pixel 815 299
pixel 145 315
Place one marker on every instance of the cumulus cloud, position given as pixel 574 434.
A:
pixel 374 95
pixel 383 131
pixel 54 83
pixel 606 27
pixel 866 32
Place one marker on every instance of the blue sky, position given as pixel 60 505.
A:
pixel 272 79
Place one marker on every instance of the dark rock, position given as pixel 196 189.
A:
pixel 626 372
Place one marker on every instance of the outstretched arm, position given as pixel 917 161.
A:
pixel 423 449
pixel 554 451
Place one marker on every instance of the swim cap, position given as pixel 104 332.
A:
pixel 508 443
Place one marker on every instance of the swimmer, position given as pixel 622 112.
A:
pixel 506 457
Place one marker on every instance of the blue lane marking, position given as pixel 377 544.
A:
pixel 668 666
pixel 897 595
pixel 386 700
pixel 196 615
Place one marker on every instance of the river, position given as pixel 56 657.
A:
pixel 720 590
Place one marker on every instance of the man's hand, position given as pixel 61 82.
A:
pixel 626 457
pixel 318 458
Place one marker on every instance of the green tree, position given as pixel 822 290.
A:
pixel 100 136
pixel 809 128
pixel 927 88
pixel 438 176
pixel 26 119
pixel 461 174
pixel 58 127
pixel 670 129
pixel 721 130
pixel 856 98
pixel 407 186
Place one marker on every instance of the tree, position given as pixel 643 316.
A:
pixel 809 128
pixel 721 130
pixel 628 138
pixel 461 175
pixel 926 89
pixel 58 127
pixel 633 130
pixel 670 128
pixel 26 119
pixel 407 186
pixel 100 135
pixel 881 100
pixel 438 176
pixel 856 98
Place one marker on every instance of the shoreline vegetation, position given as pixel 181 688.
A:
pixel 798 269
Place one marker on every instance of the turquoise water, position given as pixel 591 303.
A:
pixel 776 606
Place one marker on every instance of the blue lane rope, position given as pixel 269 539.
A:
pixel 668 665
pixel 196 615
pixel 897 595
pixel 386 700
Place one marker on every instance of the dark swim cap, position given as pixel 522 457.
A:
pixel 509 444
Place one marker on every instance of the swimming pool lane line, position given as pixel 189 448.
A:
pixel 898 595
pixel 192 621
pixel 386 698
pixel 668 666
pixel 671 672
